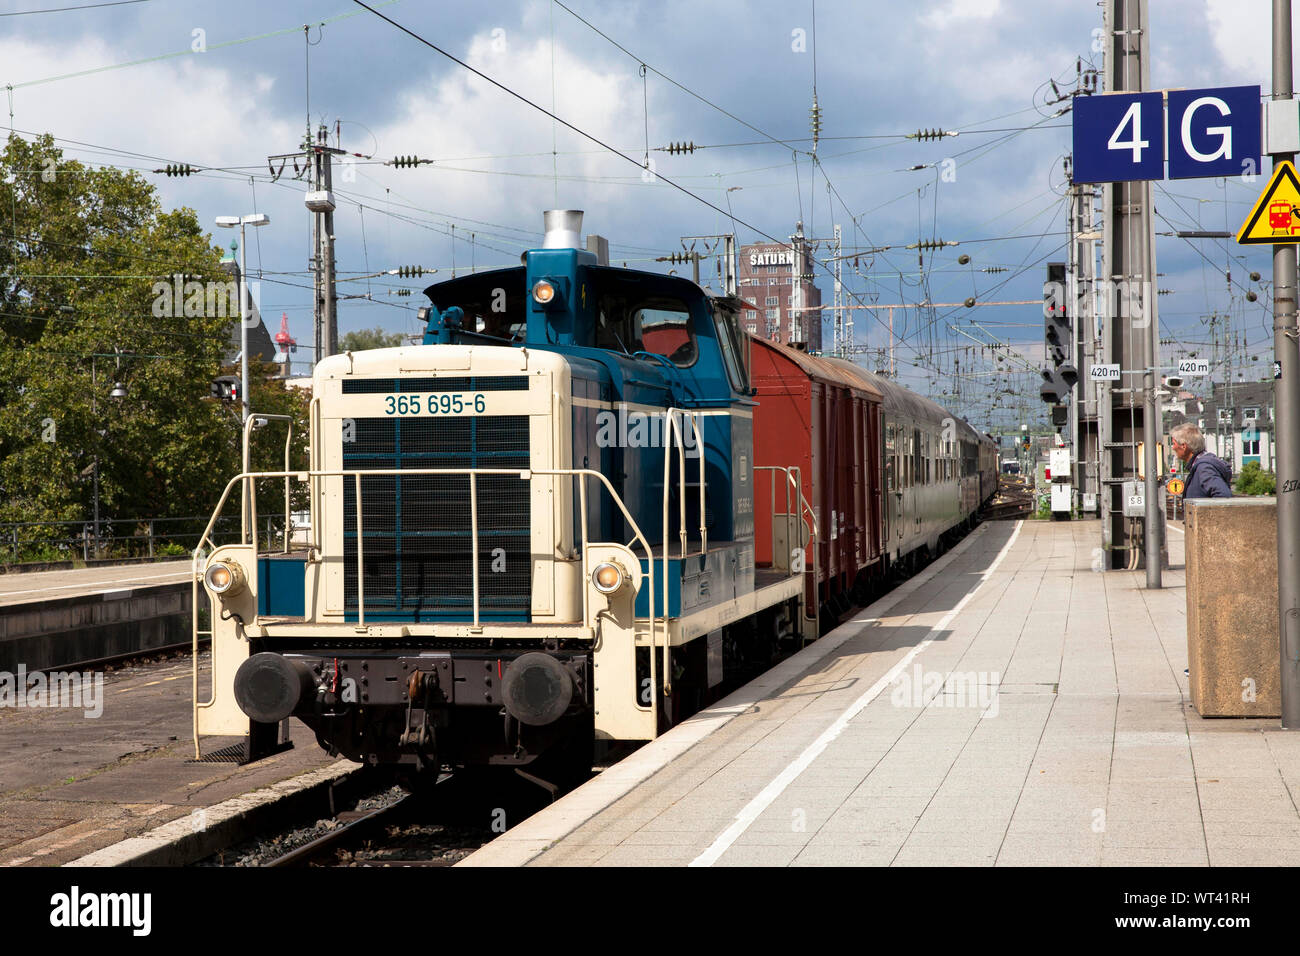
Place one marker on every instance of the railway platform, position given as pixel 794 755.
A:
pixel 1011 705
pixel 54 619
pixel 115 764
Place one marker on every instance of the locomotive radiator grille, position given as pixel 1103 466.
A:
pixel 417 529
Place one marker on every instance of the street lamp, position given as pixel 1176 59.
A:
pixel 230 222
pixel 119 391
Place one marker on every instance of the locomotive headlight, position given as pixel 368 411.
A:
pixel 543 292
pixel 608 577
pixel 224 578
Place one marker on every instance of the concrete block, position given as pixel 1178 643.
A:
pixel 1232 607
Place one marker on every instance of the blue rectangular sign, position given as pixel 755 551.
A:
pixel 1214 132
pixel 1119 137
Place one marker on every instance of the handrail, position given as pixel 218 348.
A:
pixel 524 474
pixel 249 510
pixel 673 426
pixel 794 477
pixel 314 460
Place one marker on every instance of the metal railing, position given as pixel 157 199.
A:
pixel 806 516
pixel 472 475
pixel 674 428
pixel 245 480
pixel 39 542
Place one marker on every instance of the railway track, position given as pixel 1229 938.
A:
pixel 355 826
pixel 1013 499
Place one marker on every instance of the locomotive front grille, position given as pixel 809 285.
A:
pixel 417 530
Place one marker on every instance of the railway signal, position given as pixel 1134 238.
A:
pixel 226 388
pixel 1056 320
pixel 1058 383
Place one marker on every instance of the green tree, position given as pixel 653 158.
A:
pixel 362 339
pixel 1253 480
pixel 84 253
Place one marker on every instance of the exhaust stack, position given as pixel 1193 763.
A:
pixel 562 228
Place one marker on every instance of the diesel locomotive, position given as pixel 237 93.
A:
pixel 585 501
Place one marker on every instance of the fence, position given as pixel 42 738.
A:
pixel 28 542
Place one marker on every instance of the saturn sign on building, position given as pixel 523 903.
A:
pixel 786 306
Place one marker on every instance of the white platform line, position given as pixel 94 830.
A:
pixel 768 795
pixel 128 583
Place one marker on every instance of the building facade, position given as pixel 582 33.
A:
pixel 785 305
pixel 1237 422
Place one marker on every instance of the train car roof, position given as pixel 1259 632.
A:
pixel 898 398
pixel 822 368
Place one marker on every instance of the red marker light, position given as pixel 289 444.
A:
pixel 1047 474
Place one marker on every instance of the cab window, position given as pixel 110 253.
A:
pixel 730 340
pixel 663 327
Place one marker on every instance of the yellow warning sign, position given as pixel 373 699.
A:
pixel 1175 486
pixel 1276 216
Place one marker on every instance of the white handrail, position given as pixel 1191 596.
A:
pixel 314 475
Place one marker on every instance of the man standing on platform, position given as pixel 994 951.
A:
pixel 1208 476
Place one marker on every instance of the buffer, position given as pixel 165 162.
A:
pixel 1275 218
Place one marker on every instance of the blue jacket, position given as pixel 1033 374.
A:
pixel 1208 476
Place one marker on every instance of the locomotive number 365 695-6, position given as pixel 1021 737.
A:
pixel 445 403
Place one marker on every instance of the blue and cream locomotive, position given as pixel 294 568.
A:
pixel 533 530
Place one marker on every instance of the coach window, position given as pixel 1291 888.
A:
pixel 889 457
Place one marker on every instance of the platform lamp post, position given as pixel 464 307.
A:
pixel 118 392
pixel 230 222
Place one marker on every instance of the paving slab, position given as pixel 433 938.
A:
pixel 1008 706
pixel 72 784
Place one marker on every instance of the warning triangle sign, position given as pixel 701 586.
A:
pixel 1276 216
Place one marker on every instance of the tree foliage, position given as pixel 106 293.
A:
pixel 362 339
pixel 1253 480
pixel 81 251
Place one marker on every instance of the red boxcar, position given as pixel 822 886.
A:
pixel 826 422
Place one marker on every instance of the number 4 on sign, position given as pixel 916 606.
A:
pixel 1137 143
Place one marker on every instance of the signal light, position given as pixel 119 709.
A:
pixel 226 388
pixel 1057 383
pixel 543 292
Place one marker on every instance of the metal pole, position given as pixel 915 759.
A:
pixel 243 331
pixel 94 414
pixel 97 505
pixel 1151 411
pixel 329 319
pixel 1286 402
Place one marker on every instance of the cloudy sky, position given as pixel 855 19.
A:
pixel 222 85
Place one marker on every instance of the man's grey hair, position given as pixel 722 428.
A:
pixel 1189 435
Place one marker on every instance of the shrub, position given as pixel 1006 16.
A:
pixel 1253 480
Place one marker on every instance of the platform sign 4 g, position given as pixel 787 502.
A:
pixel 1120 137
pixel 1214 132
